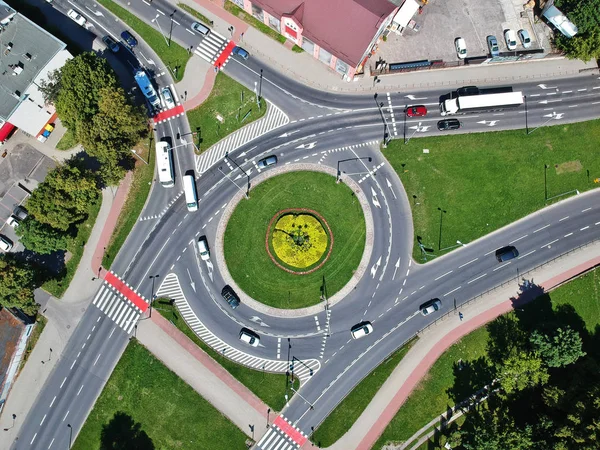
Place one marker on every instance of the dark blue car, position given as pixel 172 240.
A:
pixel 129 39
pixel 240 52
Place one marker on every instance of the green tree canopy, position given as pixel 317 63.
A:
pixel 522 370
pixel 585 14
pixel 39 237
pixel 564 347
pixel 81 80
pixel 16 285
pixel 64 197
pixel 51 87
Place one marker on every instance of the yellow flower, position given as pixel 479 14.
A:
pixel 299 240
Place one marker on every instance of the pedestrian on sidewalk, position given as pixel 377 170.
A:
pixel 460 316
pixel 242 36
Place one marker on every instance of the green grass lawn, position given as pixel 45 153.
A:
pixel 193 12
pixel 244 247
pixel 251 20
pixel 229 101
pixel 75 246
pixel 40 324
pixel 349 410
pixel 169 411
pixel 138 193
pixel 269 387
pixel 173 56
pixel 67 142
pixel 432 396
pixel 485 181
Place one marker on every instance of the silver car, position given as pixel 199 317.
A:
pixel 266 162
pixel 431 306
pixel 167 97
pixel 525 39
pixel 5 243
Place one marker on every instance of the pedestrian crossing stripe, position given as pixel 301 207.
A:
pixel 282 435
pixel 117 307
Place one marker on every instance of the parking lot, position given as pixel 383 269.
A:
pixel 442 21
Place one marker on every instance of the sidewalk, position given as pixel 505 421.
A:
pixel 308 70
pixel 437 339
pixel 203 374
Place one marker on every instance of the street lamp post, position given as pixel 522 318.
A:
pixel 143 160
pixel 160 29
pixel 338 176
pixel 152 277
pixel 553 116
pixel 526 114
pixel 225 175
pixel 268 412
pixel 171 29
pixel 545 182
pixel 458 244
pixel 386 129
pixel 442 212
pixel 417 128
pixel 245 173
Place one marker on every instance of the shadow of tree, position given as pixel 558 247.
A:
pixel 470 377
pixel 122 433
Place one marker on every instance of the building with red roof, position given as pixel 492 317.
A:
pixel 340 33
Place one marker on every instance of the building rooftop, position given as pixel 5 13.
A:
pixel 344 28
pixel 25 49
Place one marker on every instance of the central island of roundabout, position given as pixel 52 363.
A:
pixel 300 237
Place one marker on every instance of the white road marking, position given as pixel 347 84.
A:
pixel 475 279
pixel 540 229
pixel 63 382
pixel 584 228
pixel 79 391
pixel 52 402
pixel 516 240
pixel 453 290
pixel 467 263
pixel 442 276
pixel 526 254
pixel 586 209
pixel 500 267
pixel 567 235
pixel 564 218
pixel 549 243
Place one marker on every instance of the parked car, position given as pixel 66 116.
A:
pixel 13 221
pixel 511 39
pixel 5 243
pixel 239 51
pixel 230 297
pixel 21 213
pixel 361 330
pixel 448 124
pixel 506 253
pixel 76 17
pixel 129 38
pixel 430 306
pixel 525 39
pixel 112 45
pixel 266 162
pixel 416 111
pixel 167 97
pixel 249 337
pixel 461 47
pixel 493 46
pixel 203 248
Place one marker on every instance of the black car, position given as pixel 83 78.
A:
pixel 448 124
pixel 111 43
pixel 506 253
pixel 230 297
pixel 129 38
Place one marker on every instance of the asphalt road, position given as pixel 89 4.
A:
pixel 393 287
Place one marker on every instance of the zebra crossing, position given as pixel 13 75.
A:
pixel 282 435
pixel 118 307
pixel 171 288
pixel 211 47
pixel 274 118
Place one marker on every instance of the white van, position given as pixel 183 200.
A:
pixel 164 164
pixel 189 189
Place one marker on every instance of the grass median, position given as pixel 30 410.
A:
pixel 250 20
pixel 469 185
pixel 433 395
pixel 269 387
pixel 174 56
pixel 349 410
pixel 244 245
pixel 229 107
pixel 148 395
pixel 188 9
pixel 136 199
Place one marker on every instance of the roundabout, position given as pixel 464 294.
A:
pixel 299 236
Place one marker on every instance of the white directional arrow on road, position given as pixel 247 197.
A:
pixel 375 201
pixel 396 269
pixel 210 269
pixel 289 133
pixel 390 186
pixel 545 102
pixel 420 128
pixel 489 123
pixel 191 281
pixel 149 61
pixel 555 116
pixel 240 175
pixel 259 321
pixel 412 97
pixel 543 86
pixel 375 267
pixel 308 146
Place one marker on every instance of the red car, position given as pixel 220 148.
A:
pixel 416 111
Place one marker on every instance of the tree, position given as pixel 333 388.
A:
pixel 39 237
pixel 585 14
pixel 51 87
pixel 582 46
pixel 122 433
pixel 81 80
pixel 64 197
pixel 115 129
pixel 559 350
pixel 16 285
pixel 522 370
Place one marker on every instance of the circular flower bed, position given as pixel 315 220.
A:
pixel 299 239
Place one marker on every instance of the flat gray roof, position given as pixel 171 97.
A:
pixel 25 49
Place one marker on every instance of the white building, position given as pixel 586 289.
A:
pixel 27 54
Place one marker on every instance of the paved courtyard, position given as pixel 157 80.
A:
pixel 442 21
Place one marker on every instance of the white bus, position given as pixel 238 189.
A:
pixel 481 102
pixel 164 164
pixel 189 189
